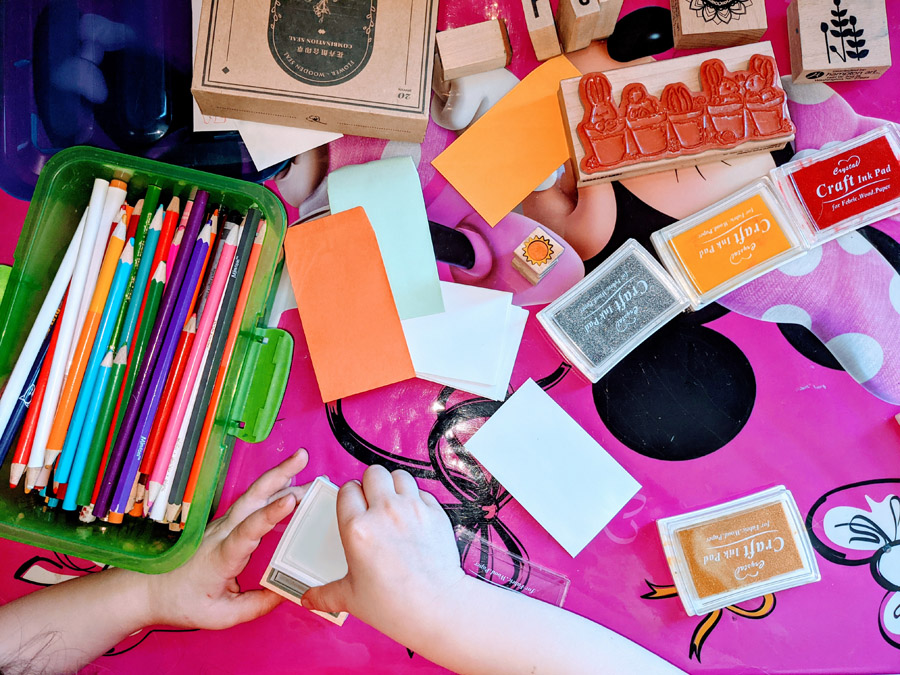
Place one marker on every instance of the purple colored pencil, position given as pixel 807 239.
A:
pixel 151 354
pixel 160 374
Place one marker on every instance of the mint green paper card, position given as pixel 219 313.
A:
pixel 390 193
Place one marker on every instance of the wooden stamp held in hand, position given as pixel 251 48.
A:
pixel 536 255
pixel 838 40
pixel 704 23
pixel 577 21
pixel 472 49
pixel 541 28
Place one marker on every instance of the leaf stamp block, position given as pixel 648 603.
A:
pixel 838 40
pixel 671 114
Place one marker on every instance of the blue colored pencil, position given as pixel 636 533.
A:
pixel 160 374
pixel 142 382
pixel 101 344
pixel 24 400
pixel 90 423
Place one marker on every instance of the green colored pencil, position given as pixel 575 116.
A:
pixel 107 408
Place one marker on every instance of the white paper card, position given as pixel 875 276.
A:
pixel 553 467
pixel 269 144
pixel 472 345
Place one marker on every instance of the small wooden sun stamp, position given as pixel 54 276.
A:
pixel 537 255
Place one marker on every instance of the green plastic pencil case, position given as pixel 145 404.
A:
pixel 253 388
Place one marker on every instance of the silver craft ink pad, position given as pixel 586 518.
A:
pixel 598 321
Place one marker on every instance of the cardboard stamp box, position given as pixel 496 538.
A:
pixel 360 67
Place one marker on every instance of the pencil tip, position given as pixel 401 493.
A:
pixel 121 355
pixel 160 274
pixel 191 325
pixel 174 205
pixel 120 229
pixel 260 232
pixel 156 223
pixel 138 207
pixel 128 254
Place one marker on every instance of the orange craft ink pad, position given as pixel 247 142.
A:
pixel 728 244
pixel 743 549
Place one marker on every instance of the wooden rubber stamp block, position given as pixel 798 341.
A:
pixel 609 14
pixel 577 21
pixel 541 28
pixel 536 255
pixel 472 49
pixel 713 23
pixel 838 40
pixel 675 113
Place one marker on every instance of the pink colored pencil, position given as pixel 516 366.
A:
pixel 201 344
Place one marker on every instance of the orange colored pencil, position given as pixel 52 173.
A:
pixel 26 436
pixel 233 331
pixel 182 352
pixel 75 374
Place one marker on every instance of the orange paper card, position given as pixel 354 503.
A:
pixel 351 324
pixel 515 147
pixel 734 241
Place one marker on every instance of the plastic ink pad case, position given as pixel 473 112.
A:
pixel 737 551
pixel 730 243
pixel 310 552
pixel 845 186
pixel 598 321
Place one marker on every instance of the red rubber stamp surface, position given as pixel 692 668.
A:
pixel 731 109
pixel 849 184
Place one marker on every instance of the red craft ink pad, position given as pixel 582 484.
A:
pixel 844 187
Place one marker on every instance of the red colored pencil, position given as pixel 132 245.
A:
pixel 134 220
pixel 26 436
pixel 182 352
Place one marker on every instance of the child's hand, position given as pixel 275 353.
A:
pixel 401 555
pixel 204 593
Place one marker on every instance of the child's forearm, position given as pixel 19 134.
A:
pixel 62 628
pixel 479 628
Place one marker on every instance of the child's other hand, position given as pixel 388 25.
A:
pixel 401 555
pixel 204 593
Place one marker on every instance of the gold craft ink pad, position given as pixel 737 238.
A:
pixel 738 550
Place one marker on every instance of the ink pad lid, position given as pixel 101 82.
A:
pixel 310 552
pixel 729 244
pixel 598 321
pixel 737 551
pixel 844 186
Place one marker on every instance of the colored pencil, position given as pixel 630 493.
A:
pixel 115 197
pixel 93 413
pixel 213 224
pixel 224 313
pixel 67 331
pixel 234 329
pixel 100 347
pixel 17 419
pixel 173 250
pixel 94 458
pixel 142 382
pixel 182 352
pixel 39 328
pixel 212 266
pixel 139 283
pixel 166 233
pixel 23 446
pixel 201 345
pixel 82 352
pixel 149 398
pixel 157 509
pixel 135 219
